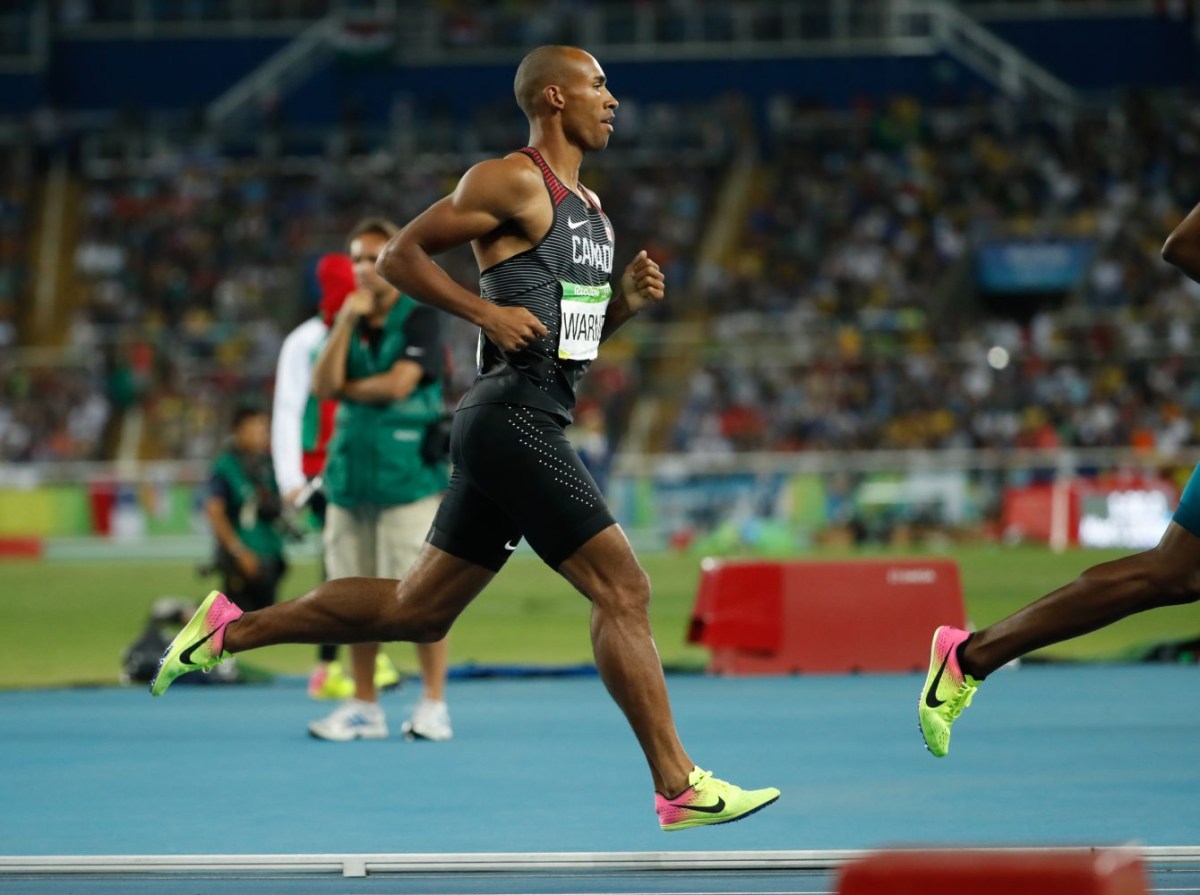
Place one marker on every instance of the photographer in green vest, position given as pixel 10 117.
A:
pixel 383 361
pixel 245 512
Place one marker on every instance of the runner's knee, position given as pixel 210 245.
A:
pixel 422 626
pixel 1173 583
pixel 625 594
pixel 1161 576
pixel 432 630
pixel 418 620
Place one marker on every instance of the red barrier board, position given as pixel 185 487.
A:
pixel 21 548
pixel 996 872
pixel 785 617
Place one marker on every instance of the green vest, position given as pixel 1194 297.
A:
pixel 243 504
pixel 375 454
pixel 310 424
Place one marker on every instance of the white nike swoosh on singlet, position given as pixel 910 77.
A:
pixel 575 225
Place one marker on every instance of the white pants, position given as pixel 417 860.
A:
pixel 376 542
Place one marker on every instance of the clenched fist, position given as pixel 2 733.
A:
pixel 642 282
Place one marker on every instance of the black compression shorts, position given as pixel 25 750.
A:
pixel 515 475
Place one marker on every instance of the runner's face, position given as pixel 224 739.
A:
pixel 588 115
pixel 364 251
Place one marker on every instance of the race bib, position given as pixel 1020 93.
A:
pixel 582 318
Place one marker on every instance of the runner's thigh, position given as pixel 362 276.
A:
pixel 520 459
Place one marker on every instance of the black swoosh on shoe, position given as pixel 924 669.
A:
pixel 185 658
pixel 715 808
pixel 744 815
pixel 931 699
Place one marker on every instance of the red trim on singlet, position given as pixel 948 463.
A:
pixel 558 192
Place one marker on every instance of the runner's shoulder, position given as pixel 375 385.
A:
pixel 513 177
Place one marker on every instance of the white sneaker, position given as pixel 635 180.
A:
pixel 430 721
pixel 352 720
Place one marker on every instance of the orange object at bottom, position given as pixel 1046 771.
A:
pixel 1111 871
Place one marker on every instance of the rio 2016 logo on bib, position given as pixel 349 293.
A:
pixel 583 309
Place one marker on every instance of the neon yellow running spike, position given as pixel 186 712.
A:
pixel 330 682
pixel 947 690
pixel 387 675
pixel 200 646
pixel 708 800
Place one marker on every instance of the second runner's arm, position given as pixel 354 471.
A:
pixel 1182 247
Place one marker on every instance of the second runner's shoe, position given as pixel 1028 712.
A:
pixel 387 675
pixel 948 690
pixel 708 800
pixel 200 646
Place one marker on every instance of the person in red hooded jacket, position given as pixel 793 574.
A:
pixel 301 426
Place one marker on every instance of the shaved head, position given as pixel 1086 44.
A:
pixel 539 69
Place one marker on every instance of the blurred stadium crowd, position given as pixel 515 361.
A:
pixel 842 314
pixel 852 272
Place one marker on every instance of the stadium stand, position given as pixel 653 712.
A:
pixel 850 316
pixel 823 242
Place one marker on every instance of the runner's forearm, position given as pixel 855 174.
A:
pixel 617 315
pixel 408 266
pixel 1182 247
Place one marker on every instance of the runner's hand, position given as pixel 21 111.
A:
pixel 511 329
pixel 642 282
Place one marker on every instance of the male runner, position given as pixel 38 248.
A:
pixel 545 251
pixel 1166 575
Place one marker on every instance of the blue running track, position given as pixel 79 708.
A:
pixel 1047 756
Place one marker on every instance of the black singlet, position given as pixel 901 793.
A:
pixel 564 282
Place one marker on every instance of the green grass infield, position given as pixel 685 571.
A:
pixel 69 621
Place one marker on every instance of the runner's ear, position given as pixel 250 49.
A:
pixel 554 96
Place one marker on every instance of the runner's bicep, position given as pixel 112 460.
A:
pixel 446 224
pixel 489 195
